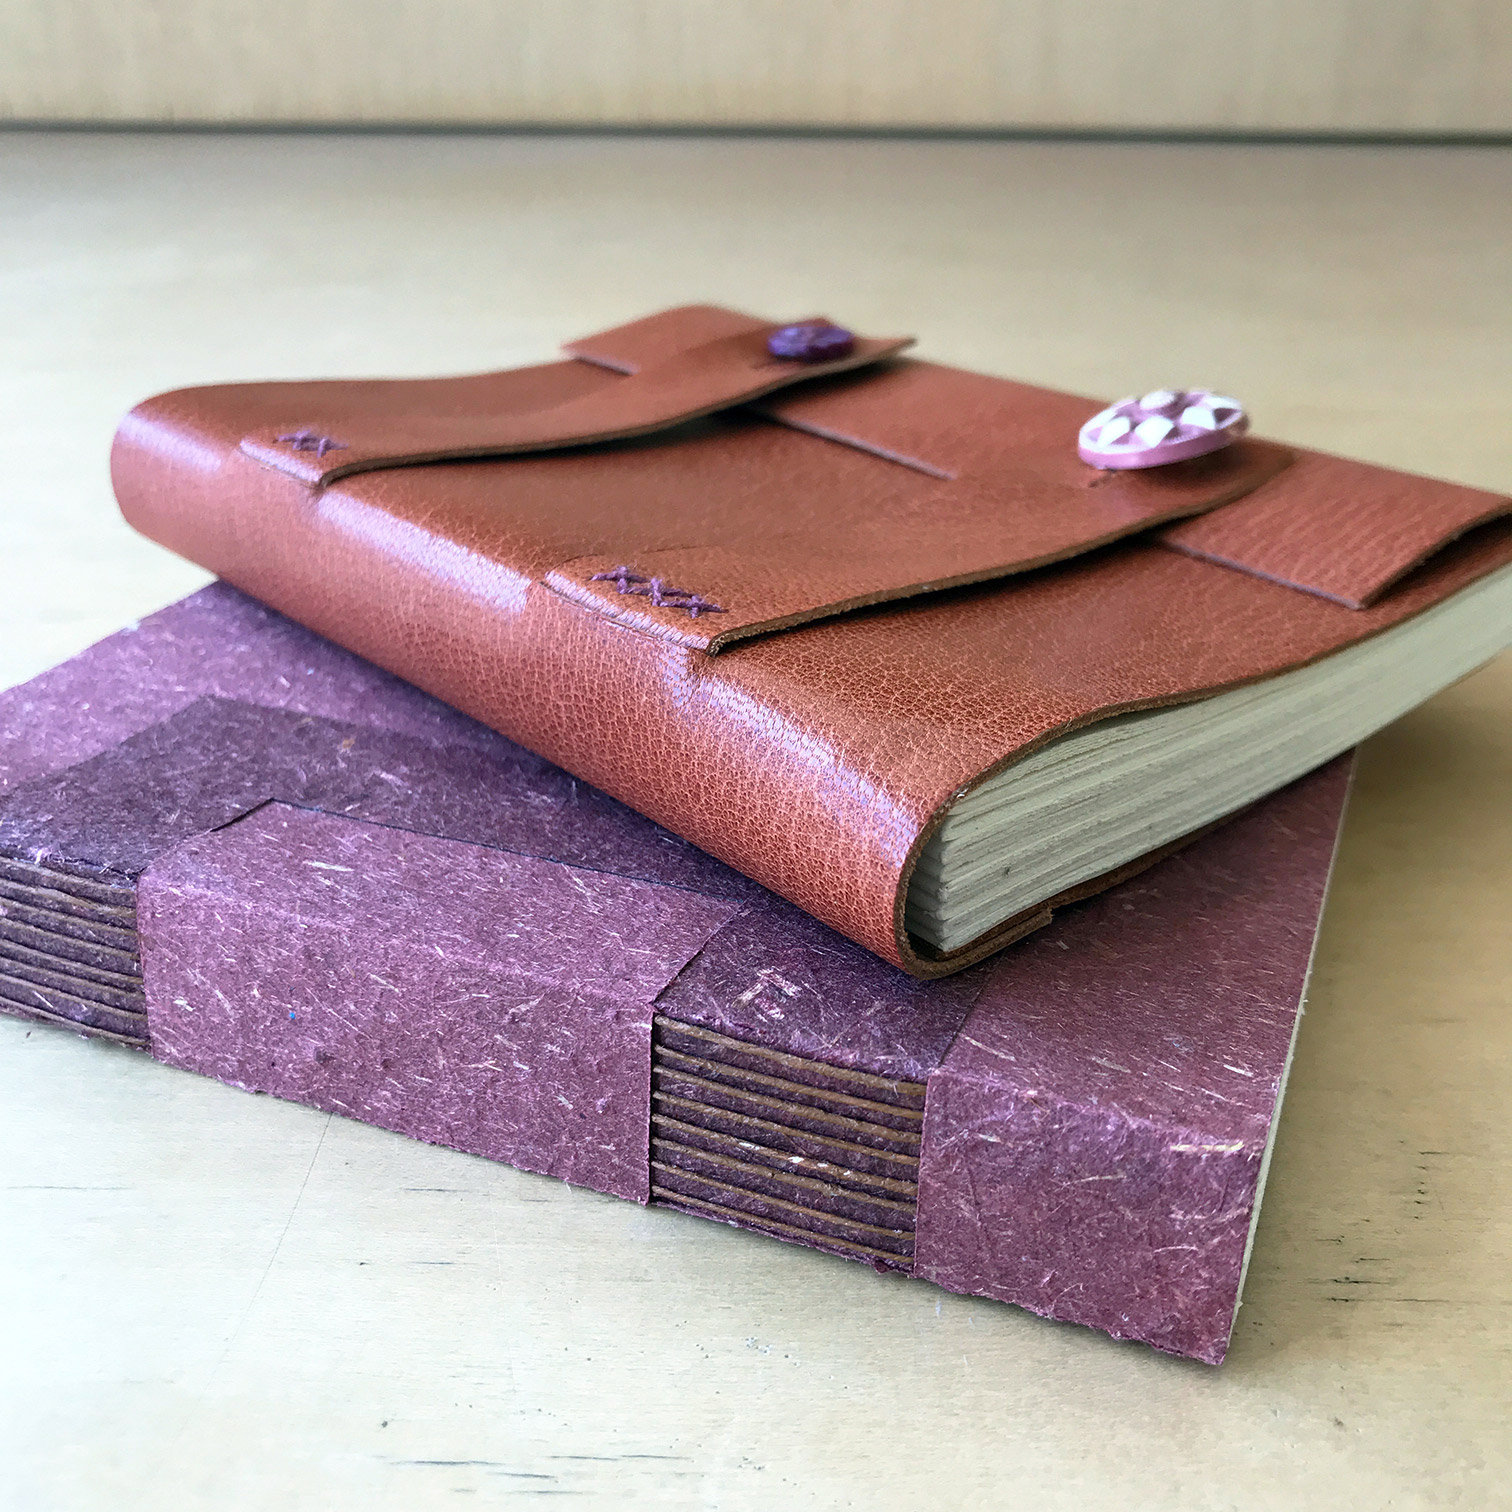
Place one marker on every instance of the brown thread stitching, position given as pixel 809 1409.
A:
pixel 656 589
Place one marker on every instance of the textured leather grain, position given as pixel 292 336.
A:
pixel 1340 529
pixel 552 593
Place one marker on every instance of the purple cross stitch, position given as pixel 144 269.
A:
pixel 663 597
pixel 308 440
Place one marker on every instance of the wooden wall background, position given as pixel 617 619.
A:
pixel 1410 66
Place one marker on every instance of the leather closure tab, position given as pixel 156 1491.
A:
pixel 996 489
pixel 1341 530
pixel 943 535
pixel 983 478
pixel 451 420
pixel 653 339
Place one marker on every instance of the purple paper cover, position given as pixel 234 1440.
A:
pixel 274 864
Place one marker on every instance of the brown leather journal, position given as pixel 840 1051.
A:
pixel 868 630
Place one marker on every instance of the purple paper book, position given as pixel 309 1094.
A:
pixel 228 842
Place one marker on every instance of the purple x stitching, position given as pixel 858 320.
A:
pixel 657 591
pixel 308 440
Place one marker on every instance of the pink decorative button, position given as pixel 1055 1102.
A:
pixel 1165 425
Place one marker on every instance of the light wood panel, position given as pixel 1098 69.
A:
pixel 221 1301
pixel 1298 65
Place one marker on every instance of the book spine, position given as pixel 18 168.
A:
pixel 307 956
pixel 1081 1213
pixel 453 992
pixel 741 772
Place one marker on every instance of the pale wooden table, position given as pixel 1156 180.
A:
pixel 215 1300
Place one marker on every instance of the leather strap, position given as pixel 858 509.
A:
pixel 943 535
pixel 684 382
pixel 1345 531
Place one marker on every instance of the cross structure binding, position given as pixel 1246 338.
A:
pixel 308 440
pixel 657 590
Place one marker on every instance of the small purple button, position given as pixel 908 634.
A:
pixel 1165 425
pixel 811 341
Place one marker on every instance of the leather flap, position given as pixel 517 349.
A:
pixel 981 480
pixel 1342 530
pixel 986 483
pixel 675 370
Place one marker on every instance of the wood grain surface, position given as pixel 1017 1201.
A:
pixel 1266 65
pixel 218 1300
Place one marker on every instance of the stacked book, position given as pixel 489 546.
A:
pixel 634 768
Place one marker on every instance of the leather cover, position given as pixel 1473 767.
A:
pixel 788 612
pixel 231 844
